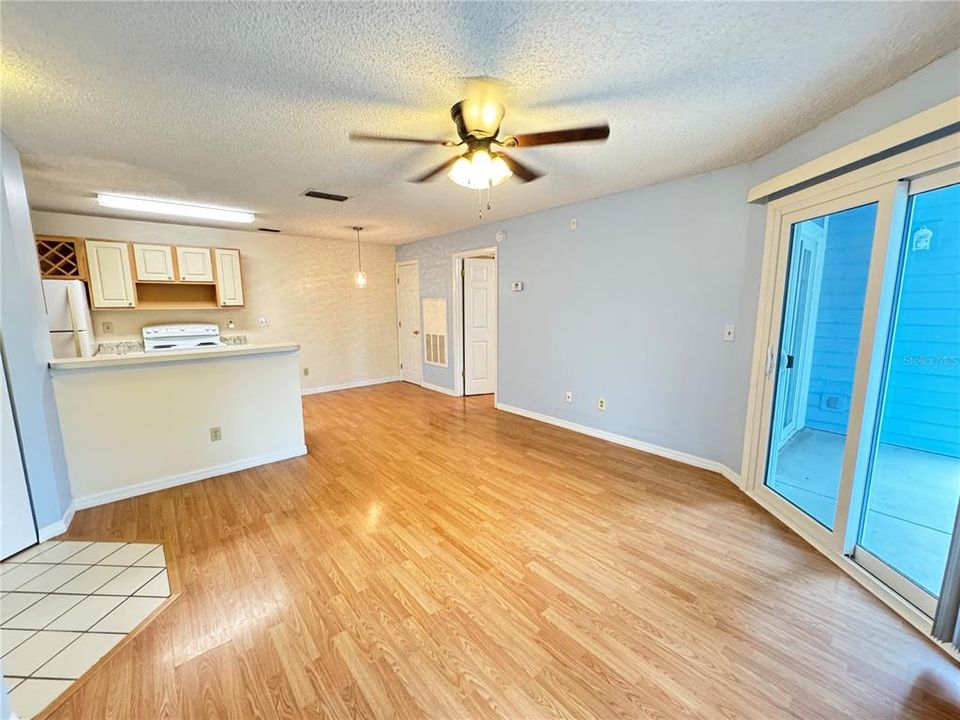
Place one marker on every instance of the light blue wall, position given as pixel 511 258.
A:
pixel 630 306
pixel 837 334
pixel 633 303
pixel 922 399
pixel 26 348
pixel 922 408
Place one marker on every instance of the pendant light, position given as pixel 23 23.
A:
pixel 360 279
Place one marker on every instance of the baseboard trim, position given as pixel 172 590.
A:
pixel 685 458
pixel 439 389
pixel 348 386
pixel 59 527
pixel 170 481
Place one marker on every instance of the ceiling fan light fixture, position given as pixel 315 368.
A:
pixel 479 170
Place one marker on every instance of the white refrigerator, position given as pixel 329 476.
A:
pixel 68 316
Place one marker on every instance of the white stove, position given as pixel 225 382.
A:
pixel 185 336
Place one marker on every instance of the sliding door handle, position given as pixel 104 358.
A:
pixel 789 361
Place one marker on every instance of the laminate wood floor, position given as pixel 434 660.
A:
pixel 435 558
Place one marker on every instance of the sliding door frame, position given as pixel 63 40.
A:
pixel 878 371
pixel 883 198
pixel 883 182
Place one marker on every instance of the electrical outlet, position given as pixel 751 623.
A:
pixel 107 328
pixel 215 434
pixel 568 397
pixel 306 371
pixel 601 403
pixel 263 322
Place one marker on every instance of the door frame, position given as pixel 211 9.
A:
pixel 879 369
pixel 798 413
pixel 781 247
pixel 456 347
pixel 396 286
pixel 914 164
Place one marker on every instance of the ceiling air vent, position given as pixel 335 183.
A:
pixel 268 230
pixel 325 196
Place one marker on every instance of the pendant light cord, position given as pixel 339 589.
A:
pixel 359 263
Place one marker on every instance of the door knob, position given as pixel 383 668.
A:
pixel 416 332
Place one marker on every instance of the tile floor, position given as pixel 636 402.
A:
pixel 64 605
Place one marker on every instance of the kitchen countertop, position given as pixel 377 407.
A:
pixel 167 356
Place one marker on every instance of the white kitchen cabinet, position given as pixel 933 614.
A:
pixel 229 284
pixel 194 264
pixel 154 263
pixel 111 281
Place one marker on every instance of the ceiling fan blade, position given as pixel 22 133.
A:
pixel 555 137
pixel 362 137
pixel 436 171
pixel 523 172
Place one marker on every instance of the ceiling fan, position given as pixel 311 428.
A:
pixel 484 164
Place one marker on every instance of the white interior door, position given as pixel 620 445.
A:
pixel 479 326
pixel 408 323
pixel 17 529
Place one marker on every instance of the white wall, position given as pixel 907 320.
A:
pixel 632 304
pixel 26 349
pixel 303 286
pixel 138 428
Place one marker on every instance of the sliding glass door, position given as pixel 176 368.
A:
pixel 913 473
pixel 856 397
pixel 819 336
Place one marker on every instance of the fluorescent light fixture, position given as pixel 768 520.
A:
pixel 162 207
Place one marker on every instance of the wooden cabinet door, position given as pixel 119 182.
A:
pixel 229 284
pixel 194 264
pixel 111 282
pixel 154 263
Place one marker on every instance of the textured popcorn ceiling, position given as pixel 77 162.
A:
pixel 248 105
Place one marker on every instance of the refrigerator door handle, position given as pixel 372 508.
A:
pixel 73 322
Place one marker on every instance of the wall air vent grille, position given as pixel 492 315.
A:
pixel 436 350
pixel 435 331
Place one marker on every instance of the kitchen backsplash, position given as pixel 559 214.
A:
pixel 125 347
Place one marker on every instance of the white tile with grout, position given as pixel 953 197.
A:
pixel 66 604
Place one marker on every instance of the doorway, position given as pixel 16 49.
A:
pixel 475 322
pixel 408 322
pixel 853 438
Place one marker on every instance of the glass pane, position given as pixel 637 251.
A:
pixel 823 307
pixel 914 481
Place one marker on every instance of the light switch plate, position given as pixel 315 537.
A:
pixel 729 333
pixel 517 285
